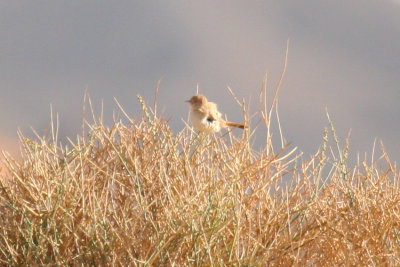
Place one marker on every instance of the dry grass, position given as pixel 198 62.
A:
pixel 138 194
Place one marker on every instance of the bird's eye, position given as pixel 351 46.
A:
pixel 210 119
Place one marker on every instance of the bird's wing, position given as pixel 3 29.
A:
pixel 212 107
pixel 210 111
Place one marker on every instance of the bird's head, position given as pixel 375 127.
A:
pixel 197 100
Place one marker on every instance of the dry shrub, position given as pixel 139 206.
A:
pixel 138 194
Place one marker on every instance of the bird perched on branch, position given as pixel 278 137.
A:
pixel 205 116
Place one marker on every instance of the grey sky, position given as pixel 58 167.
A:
pixel 344 55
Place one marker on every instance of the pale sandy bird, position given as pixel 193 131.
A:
pixel 205 116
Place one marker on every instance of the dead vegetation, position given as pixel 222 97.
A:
pixel 140 194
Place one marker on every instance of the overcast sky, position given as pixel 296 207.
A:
pixel 343 56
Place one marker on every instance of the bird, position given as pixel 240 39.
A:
pixel 205 116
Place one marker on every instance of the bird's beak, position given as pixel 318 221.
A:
pixel 187 101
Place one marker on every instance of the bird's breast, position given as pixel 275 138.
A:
pixel 204 123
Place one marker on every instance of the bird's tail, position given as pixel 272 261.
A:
pixel 235 124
